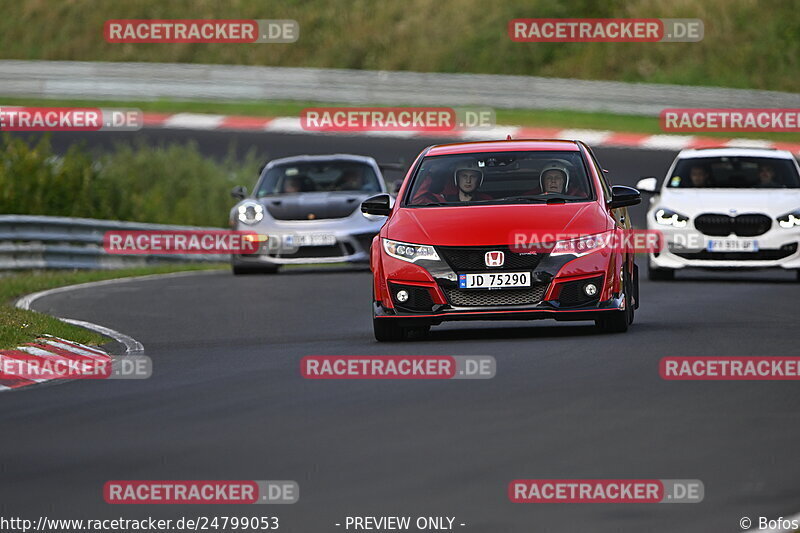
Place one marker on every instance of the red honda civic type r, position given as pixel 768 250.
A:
pixel 502 230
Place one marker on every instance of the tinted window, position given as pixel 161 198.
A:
pixel 734 173
pixel 319 177
pixel 501 177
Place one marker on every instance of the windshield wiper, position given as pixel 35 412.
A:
pixel 431 204
pixel 522 199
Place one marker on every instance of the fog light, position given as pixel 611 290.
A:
pixel 402 296
pixel 590 289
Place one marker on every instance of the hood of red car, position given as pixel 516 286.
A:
pixel 490 225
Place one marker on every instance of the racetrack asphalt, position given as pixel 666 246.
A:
pixel 227 401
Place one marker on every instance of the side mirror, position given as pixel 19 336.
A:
pixel 239 192
pixel 647 184
pixel 380 205
pixel 622 196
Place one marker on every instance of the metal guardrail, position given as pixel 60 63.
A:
pixel 182 81
pixel 45 242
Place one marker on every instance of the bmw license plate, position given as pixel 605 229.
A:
pixel 494 280
pixel 732 245
pixel 309 239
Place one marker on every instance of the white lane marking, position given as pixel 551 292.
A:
pixel 748 143
pixel 38 352
pixel 194 121
pixel 395 134
pixel 131 345
pixel 73 345
pixel 285 125
pixel 93 354
pixel 667 142
pixel 590 137
pixel 6 369
pixel 498 133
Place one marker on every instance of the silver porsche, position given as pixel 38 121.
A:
pixel 306 209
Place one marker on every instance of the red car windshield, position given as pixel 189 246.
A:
pixel 500 178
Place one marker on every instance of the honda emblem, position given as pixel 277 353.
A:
pixel 494 259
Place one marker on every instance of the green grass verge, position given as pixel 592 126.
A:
pixel 747 43
pixel 514 117
pixel 137 182
pixel 18 326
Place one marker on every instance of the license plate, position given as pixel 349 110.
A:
pixel 309 239
pixel 732 245
pixel 494 280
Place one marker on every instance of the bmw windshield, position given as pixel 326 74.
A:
pixel 734 173
pixel 500 178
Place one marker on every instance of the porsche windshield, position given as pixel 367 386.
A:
pixel 734 173
pixel 325 176
pixel 500 178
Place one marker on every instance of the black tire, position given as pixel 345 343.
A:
pixel 798 275
pixel 618 321
pixel 417 332
pixel 660 274
pixel 387 330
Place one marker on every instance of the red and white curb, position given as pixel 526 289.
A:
pixel 48 351
pixel 292 125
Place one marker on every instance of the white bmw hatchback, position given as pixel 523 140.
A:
pixel 726 208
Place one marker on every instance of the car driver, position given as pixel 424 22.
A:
pixel 468 179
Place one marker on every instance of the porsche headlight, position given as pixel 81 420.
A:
pixel 409 252
pixel 666 217
pixel 251 213
pixel 790 220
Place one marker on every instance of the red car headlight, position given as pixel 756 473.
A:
pixel 409 252
pixel 582 245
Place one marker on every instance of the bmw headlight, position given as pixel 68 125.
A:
pixel 409 252
pixel 666 217
pixel 251 212
pixel 790 220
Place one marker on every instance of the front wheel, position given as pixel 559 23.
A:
pixel 618 321
pixel 388 330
